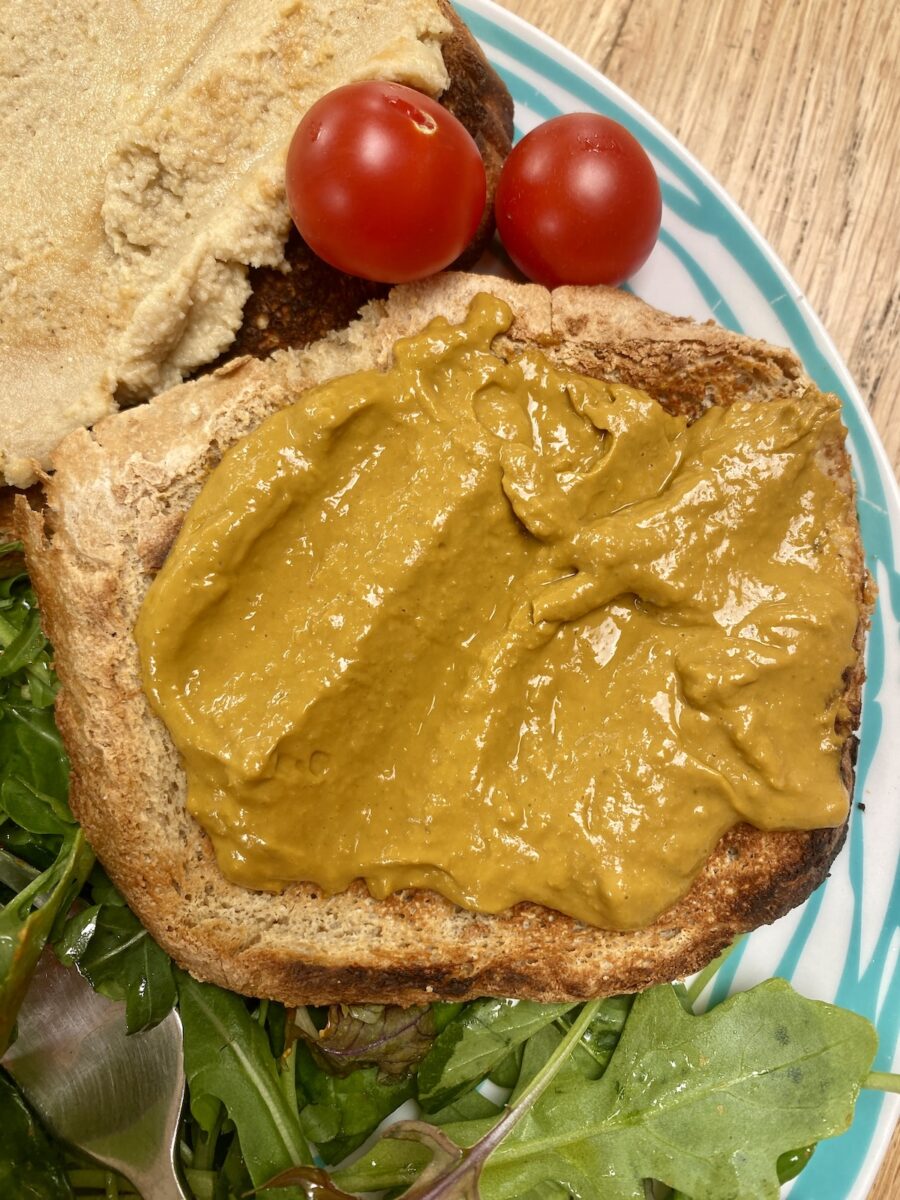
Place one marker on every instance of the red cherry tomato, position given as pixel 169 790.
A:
pixel 384 183
pixel 578 202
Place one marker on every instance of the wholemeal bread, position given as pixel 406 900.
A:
pixel 169 208
pixel 115 503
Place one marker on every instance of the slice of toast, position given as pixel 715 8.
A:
pixel 113 507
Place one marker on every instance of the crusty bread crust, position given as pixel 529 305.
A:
pixel 113 508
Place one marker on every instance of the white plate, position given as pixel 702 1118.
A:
pixel 842 945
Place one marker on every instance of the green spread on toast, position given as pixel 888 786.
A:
pixel 507 632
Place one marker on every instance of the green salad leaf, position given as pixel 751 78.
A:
pixel 25 929
pixel 25 649
pixel 31 1167
pixel 681 1093
pixel 473 1106
pixel 592 1054
pixel 33 770
pixel 15 873
pixel 340 1112
pixel 448 1170
pixel 706 1104
pixel 475 1043
pixel 120 959
pixel 228 1061
pixel 36 826
pixel 34 774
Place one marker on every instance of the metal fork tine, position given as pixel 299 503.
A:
pixel 115 1097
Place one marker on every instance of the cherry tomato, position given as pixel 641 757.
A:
pixel 578 202
pixel 384 183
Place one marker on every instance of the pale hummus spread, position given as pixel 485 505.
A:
pixel 143 152
pixel 506 632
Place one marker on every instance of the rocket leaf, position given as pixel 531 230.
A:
pixel 228 1060
pixel 31 1167
pixel 449 1172
pixel 339 1113
pixel 706 1104
pixel 34 774
pixel 120 959
pixel 475 1043
pixel 34 812
pixel 25 928
pixel 599 1040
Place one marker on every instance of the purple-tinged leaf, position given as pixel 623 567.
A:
pixel 388 1037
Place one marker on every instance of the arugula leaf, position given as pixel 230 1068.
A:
pixel 473 1106
pixel 25 666
pixel 37 850
pixel 340 1113
pixel 549 1191
pixel 708 1105
pixel 234 1179
pixel 34 776
pixel 228 1060
pixel 31 1167
pixel 120 959
pixel 475 1043
pixel 508 1070
pixel 24 930
pixel 449 1170
pixel 388 1037
pixel 15 873
pixel 792 1162
pixel 102 889
pixel 22 641
pixel 34 773
pixel 601 1037
pixel 588 1059
pixel 681 1093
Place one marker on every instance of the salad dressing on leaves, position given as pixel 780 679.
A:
pixel 506 632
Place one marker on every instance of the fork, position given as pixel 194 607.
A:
pixel 117 1098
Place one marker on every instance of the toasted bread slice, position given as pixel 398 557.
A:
pixel 113 508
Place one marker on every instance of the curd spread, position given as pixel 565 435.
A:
pixel 506 632
pixel 143 172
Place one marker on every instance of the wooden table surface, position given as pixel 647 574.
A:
pixel 793 106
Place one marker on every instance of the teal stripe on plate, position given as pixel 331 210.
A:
pixel 708 290
pixel 837 1163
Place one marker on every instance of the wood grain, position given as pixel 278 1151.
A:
pixel 793 106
